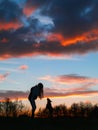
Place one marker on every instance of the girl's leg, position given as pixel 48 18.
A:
pixel 33 107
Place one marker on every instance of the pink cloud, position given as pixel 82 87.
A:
pixel 70 79
pixel 3 76
pixel 23 67
pixel 71 83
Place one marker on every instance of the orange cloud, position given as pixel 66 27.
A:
pixel 10 25
pixel 64 41
pixel 5 56
pixel 29 54
pixel 85 37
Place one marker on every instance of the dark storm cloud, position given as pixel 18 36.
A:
pixel 35 3
pixel 16 47
pixel 72 17
pixel 78 48
pixel 9 11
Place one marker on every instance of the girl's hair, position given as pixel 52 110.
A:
pixel 41 92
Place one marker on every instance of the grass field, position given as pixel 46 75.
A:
pixel 65 123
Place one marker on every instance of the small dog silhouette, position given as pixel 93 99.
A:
pixel 49 107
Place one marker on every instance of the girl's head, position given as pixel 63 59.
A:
pixel 40 85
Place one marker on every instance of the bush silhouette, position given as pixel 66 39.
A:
pixel 10 108
pixel 75 110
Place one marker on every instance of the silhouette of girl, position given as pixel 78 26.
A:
pixel 35 91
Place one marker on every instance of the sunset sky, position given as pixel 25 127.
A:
pixel 50 41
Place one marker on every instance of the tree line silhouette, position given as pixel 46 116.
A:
pixel 16 108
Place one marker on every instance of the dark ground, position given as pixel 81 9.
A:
pixel 60 123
